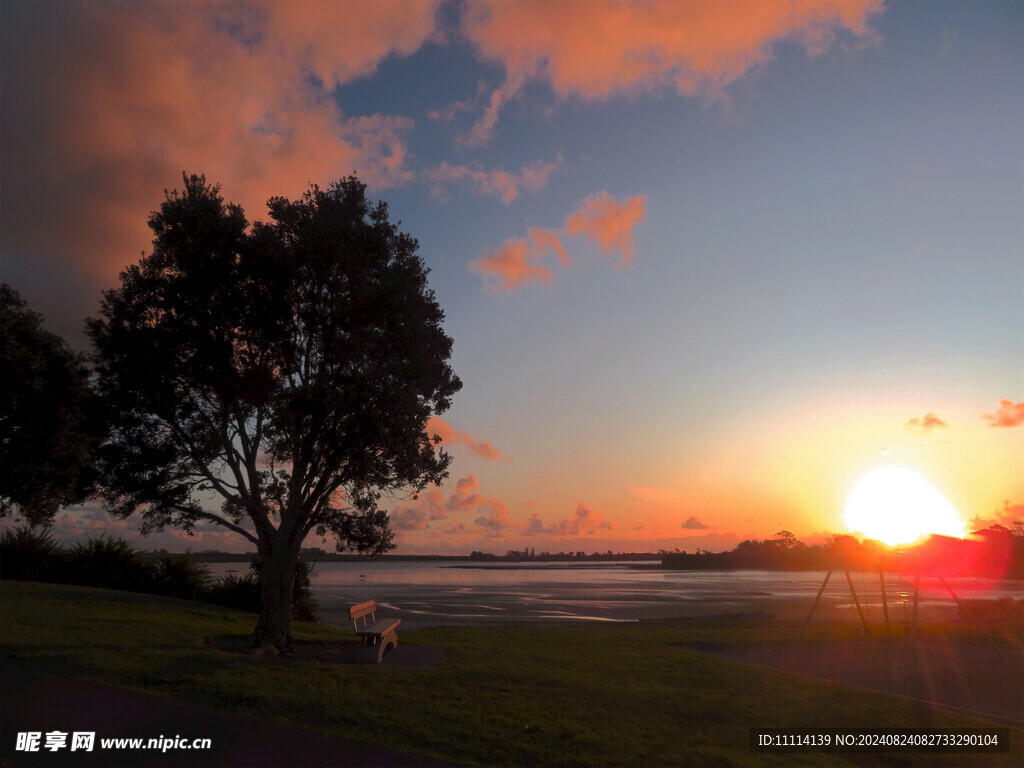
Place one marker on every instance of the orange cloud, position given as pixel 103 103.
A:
pixel 585 521
pixel 409 519
pixel 498 183
pixel 694 524
pixel 448 434
pixel 601 48
pixel 497 521
pixel 602 220
pixel 131 95
pixel 429 505
pixel 1010 516
pixel 463 498
pixel 599 219
pixel 534 526
pixel 925 424
pixel 1010 414
pixel 516 263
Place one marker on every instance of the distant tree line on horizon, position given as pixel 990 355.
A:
pixel 530 555
pixel 996 552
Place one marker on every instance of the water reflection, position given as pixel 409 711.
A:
pixel 438 593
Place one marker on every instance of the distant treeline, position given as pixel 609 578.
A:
pixel 530 555
pixel 994 552
pixel 317 555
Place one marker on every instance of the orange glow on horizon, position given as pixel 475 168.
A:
pixel 895 505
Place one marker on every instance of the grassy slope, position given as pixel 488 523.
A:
pixel 621 694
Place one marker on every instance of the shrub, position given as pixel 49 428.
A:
pixel 29 555
pixel 234 591
pixel 108 562
pixel 182 577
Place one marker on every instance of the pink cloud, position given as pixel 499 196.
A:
pixel 130 95
pixel 448 434
pixel 1010 516
pixel 409 519
pixel 415 515
pixel 585 521
pixel 499 183
pixel 464 498
pixel 602 48
pixel 516 263
pixel 925 424
pixel 600 219
pixel 534 526
pixel 694 524
pixel 429 506
pixel 1010 414
pixel 497 522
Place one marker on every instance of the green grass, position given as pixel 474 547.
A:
pixel 574 695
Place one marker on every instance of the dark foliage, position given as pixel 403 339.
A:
pixel 29 555
pixel 182 577
pixel 107 562
pixel 290 369
pixel 49 420
pixel 232 590
pixel 994 553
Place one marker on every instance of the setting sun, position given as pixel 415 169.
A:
pixel 898 506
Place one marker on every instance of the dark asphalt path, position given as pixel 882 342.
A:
pixel 37 701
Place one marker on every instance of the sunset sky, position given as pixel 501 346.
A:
pixel 705 264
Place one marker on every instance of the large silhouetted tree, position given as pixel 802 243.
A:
pixel 286 370
pixel 48 425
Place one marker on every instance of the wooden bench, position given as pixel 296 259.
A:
pixel 378 635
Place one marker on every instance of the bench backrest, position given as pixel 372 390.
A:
pixel 361 611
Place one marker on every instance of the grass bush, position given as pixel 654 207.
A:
pixel 108 562
pixel 111 562
pixel 29 555
pixel 241 592
pixel 182 576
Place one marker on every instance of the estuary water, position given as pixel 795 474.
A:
pixel 436 593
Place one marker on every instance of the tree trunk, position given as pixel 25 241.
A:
pixel 277 578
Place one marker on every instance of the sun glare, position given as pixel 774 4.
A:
pixel 898 506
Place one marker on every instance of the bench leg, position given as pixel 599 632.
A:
pixel 387 642
pixel 374 648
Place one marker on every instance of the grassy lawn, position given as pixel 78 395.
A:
pixel 606 694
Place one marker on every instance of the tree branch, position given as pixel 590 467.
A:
pixel 227 524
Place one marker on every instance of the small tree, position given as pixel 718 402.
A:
pixel 48 420
pixel 287 370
